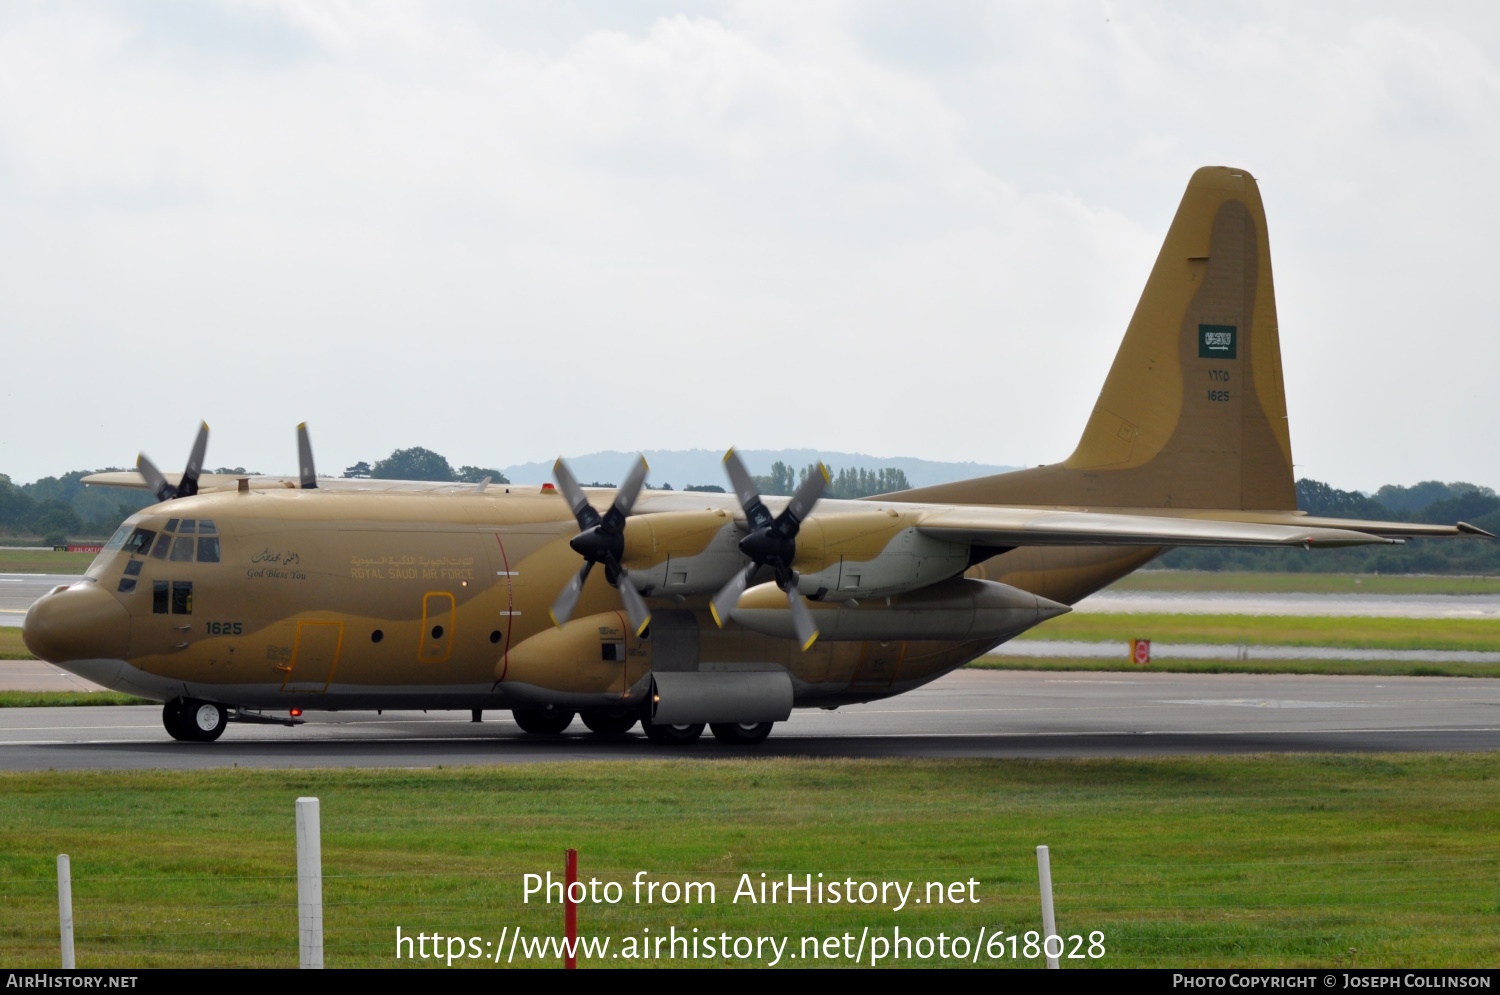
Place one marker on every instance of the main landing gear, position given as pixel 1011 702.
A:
pixel 741 733
pixel 194 721
pixel 548 720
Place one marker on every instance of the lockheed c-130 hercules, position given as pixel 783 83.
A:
pixel 236 598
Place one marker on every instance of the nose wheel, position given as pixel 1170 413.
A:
pixel 194 721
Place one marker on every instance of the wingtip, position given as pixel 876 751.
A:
pixel 1474 530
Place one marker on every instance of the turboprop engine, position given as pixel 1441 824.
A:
pixel 957 609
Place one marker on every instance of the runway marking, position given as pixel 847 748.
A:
pixel 1270 703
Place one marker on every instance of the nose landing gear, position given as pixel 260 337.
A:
pixel 194 721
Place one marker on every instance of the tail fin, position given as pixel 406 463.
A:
pixel 1193 413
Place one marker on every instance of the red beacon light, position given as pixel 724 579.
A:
pixel 548 489
pixel 296 712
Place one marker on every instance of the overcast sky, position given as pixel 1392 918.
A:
pixel 505 231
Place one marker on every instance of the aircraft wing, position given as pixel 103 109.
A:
pixel 230 481
pixel 987 526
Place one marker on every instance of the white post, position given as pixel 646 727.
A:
pixel 65 909
pixel 309 884
pixel 1049 923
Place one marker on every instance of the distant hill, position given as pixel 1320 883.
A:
pixel 681 467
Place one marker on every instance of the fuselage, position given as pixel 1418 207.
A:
pixel 291 598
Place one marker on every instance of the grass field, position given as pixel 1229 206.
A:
pixel 11 645
pixel 37 699
pixel 1287 860
pixel 42 561
pixel 1278 630
pixel 1304 583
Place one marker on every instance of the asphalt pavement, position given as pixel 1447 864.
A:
pixel 971 713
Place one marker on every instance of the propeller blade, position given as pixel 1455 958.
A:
pixel 562 608
pixel 744 489
pixel 723 604
pixel 573 494
pixel 158 484
pixel 614 519
pixel 802 502
pixel 305 460
pixel 802 620
pixel 188 486
pixel 635 605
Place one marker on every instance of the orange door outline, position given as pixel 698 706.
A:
pixel 437 616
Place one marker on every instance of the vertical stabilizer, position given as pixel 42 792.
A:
pixel 1193 413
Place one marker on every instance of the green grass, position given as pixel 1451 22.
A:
pixel 40 699
pixel 1278 630
pixel 1366 668
pixel 11 646
pixel 1310 583
pixel 1272 861
pixel 42 561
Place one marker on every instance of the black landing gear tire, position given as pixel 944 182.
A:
pixel 194 721
pixel 679 735
pixel 609 723
pixel 741 733
pixel 549 720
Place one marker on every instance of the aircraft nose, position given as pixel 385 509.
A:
pixel 76 623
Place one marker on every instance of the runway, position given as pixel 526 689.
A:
pixel 971 713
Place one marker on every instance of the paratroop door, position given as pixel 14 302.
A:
pixel 437 627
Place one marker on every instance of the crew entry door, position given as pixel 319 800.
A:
pixel 314 656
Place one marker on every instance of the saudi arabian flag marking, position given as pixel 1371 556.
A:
pixel 1216 341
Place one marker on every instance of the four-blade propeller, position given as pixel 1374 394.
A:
pixel 188 486
pixel 602 540
pixel 772 543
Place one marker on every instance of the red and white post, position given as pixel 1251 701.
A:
pixel 570 910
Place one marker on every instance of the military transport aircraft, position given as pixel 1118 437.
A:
pixel 254 598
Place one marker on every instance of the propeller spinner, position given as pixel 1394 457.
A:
pixel 602 540
pixel 188 485
pixel 772 543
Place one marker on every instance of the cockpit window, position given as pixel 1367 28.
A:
pixel 206 527
pixel 182 549
pixel 188 526
pixel 163 542
pixel 139 541
pixel 133 568
pixel 208 549
pixel 117 540
pixel 171 525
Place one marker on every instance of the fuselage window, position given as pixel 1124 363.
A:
pixel 188 526
pixel 182 597
pixel 182 549
pixel 117 540
pixel 133 568
pixel 140 541
pixel 163 543
pixel 159 597
pixel 206 527
pixel 208 549
pixel 127 584
pixel 171 525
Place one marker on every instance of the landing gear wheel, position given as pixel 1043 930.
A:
pixel 171 717
pixel 549 720
pixel 741 733
pixel 194 721
pixel 680 735
pixel 609 723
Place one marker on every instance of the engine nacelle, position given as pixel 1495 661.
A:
pixel 958 609
pixel 686 553
pixel 871 555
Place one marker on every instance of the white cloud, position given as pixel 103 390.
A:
pixel 505 233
